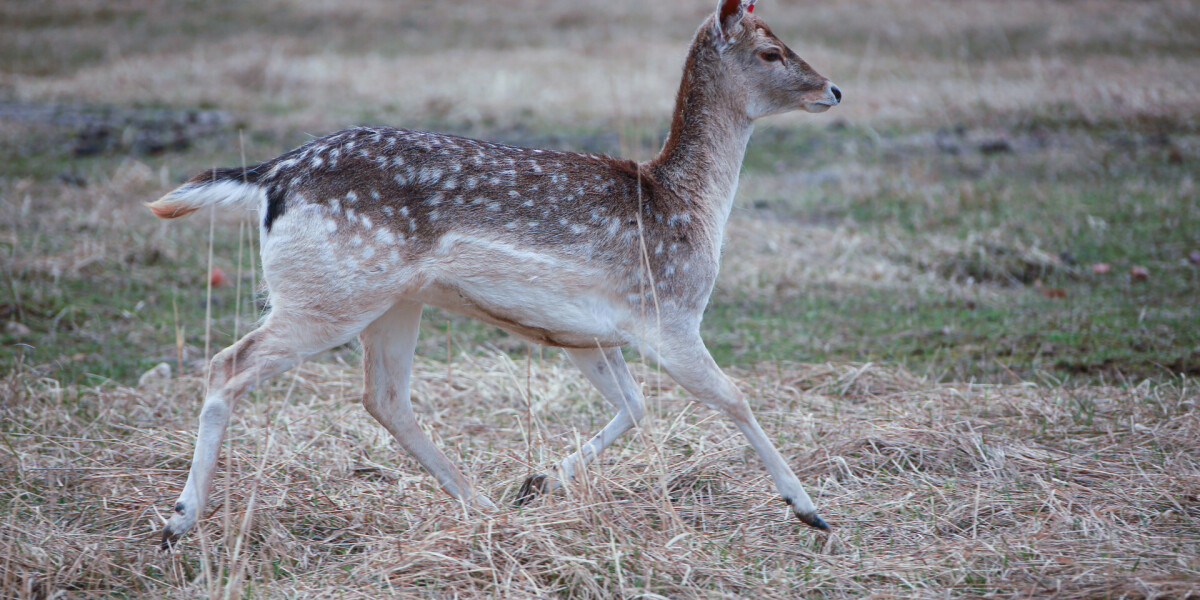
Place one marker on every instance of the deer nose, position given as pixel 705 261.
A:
pixel 837 94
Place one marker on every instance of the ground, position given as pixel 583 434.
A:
pixel 962 304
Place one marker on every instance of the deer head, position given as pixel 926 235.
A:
pixel 773 78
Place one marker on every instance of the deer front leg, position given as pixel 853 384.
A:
pixel 388 347
pixel 606 369
pixel 689 363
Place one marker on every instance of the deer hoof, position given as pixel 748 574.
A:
pixel 534 486
pixel 177 525
pixel 810 518
pixel 813 520
pixel 168 539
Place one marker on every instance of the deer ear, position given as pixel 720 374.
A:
pixel 729 18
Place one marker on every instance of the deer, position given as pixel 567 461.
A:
pixel 588 253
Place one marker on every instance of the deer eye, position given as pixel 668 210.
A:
pixel 770 55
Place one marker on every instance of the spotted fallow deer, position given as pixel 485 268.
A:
pixel 588 253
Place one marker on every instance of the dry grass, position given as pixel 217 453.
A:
pixel 937 490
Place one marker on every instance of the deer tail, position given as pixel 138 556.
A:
pixel 217 186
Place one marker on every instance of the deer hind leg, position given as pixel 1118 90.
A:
pixel 278 345
pixel 689 363
pixel 388 347
pixel 606 369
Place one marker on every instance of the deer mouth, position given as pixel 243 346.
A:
pixel 831 98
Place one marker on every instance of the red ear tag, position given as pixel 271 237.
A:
pixel 750 8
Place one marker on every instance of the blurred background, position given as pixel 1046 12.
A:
pixel 1008 191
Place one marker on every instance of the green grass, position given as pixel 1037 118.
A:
pixel 1117 198
pixel 117 317
pixel 1104 335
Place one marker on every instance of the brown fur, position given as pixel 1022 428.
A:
pixel 165 209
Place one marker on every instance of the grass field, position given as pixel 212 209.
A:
pixel 910 294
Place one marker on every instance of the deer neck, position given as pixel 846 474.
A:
pixel 703 152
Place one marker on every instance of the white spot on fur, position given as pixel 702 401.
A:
pixel 679 219
pixel 383 236
pixel 430 174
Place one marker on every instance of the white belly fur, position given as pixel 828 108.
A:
pixel 545 298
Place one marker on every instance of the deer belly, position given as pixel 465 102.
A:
pixel 552 315
pixel 546 297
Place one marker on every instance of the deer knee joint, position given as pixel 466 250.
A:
pixel 636 407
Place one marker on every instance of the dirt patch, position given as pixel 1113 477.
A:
pixel 91 130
